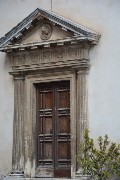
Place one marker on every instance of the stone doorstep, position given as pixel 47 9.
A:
pixel 20 178
pixel 77 178
pixel 16 178
pixel 39 178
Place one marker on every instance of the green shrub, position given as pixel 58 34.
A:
pixel 100 163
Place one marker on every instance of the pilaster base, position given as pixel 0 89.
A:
pixel 17 174
pixel 85 177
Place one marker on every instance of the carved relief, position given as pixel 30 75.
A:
pixel 59 55
pixel 46 56
pixel 72 53
pixel 21 59
pixel 70 56
pixel 17 61
pixel 34 58
pixel 46 31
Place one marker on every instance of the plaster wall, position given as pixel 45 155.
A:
pixel 104 86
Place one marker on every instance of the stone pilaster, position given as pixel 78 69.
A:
pixel 82 109
pixel 18 133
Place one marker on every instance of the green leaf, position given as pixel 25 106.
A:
pixel 99 163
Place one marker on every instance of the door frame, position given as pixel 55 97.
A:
pixel 30 116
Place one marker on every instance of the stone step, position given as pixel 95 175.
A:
pixel 16 178
pixel 20 178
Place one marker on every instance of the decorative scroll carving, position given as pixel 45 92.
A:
pixel 46 31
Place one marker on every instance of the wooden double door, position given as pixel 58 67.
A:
pixel 53 130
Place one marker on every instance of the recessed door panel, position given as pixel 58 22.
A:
pixel 53 130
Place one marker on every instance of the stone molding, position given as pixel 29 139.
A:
pixel 43 59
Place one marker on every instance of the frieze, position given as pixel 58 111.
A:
pixel 46 56
pixel 59 55
pixel 49 57
pixel 72 53
pixel 34 58
pixel 20 60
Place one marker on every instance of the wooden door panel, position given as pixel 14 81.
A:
pixel 62 98
pixel 45 158
pixel 53 130
pixel 62 150
pixel 48 100
pixel 47 151
pixel 64 126
pixel 63 159
pixel 45 154
pixel 47 125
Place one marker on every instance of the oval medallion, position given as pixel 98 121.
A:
pixel 46 31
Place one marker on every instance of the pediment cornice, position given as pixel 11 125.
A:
pixel 48 44
pixel 79 32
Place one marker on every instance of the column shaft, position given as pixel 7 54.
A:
pixel 82 108
pixel 18 133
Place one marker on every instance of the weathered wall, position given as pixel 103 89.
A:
pixel 104 86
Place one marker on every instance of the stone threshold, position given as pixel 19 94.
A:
pixel 21 178
pixel 16 178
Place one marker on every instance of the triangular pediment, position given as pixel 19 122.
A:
pixel 43 26
pixel 45 31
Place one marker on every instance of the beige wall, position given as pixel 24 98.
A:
pixel 104 84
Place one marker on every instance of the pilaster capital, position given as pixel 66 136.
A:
pixel 19 78
pixel 83 70
pixel 18 75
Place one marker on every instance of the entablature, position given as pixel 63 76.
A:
pixel 50 58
